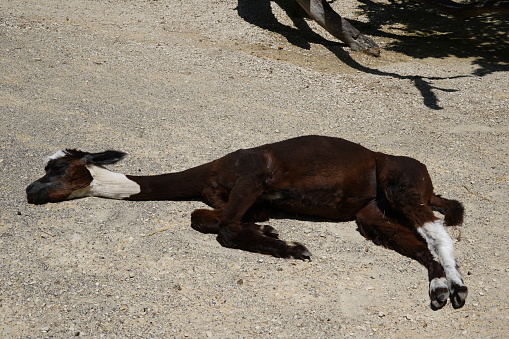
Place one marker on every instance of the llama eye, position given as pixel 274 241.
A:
pixel 57 169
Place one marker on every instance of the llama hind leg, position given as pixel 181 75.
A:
pixel 410 201
pixel 388 232
pixel 409 197
pixel 441 246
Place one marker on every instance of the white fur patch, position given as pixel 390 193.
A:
pixel 441 246
pixel 56 155
pixel 107 184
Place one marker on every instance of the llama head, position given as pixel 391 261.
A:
pixel 67 173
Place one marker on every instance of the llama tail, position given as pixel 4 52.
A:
pixel 451 209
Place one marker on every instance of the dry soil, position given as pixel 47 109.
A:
pixel 179 83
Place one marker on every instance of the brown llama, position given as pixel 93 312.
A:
pixel 390 197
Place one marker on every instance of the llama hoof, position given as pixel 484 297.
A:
pixel 270 231
pixel 440 300
pixel 298 251
pixel 458 295
pixel 438 293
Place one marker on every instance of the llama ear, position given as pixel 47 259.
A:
pixel 104 158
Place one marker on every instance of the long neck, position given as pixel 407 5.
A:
pixel 185 185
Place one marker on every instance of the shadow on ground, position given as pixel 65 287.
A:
pixel 421 32
pixel 413 29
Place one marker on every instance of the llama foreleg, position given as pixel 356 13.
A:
pixel 260 239
pixel 234 232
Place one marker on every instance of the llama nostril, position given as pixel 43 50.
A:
pixel 38 198
pixel 29 188
pixel 37 193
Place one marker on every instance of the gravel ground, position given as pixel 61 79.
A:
pixel 179 83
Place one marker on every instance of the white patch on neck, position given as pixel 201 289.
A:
pixel 107 184
pixel 58 154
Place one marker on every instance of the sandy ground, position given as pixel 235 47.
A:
pixel 179 83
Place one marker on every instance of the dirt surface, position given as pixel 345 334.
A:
pixel 179 83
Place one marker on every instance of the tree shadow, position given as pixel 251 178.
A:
pixel 428 33
pixel 259 13
pixel 414 29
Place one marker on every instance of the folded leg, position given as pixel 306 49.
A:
pixel 206 221
pixel 260 239
pixel 235 232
